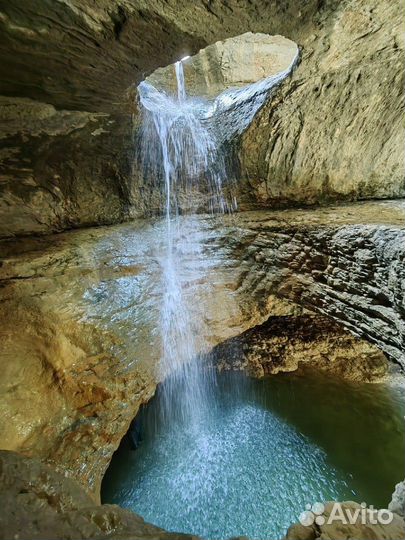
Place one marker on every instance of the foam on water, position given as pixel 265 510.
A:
pixel 271 447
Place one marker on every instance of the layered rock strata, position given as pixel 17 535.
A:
pixel 80 347
pixel 287 343
pixel 352 273
pixel 69 72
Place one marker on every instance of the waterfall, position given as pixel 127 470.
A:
pixel 181 145
pixel 176 138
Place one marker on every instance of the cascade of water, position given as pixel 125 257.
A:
pixel 181 85
pixel 175 133
pixel 181 141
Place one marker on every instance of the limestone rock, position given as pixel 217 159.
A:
pixel 80 55
pixel 38 503
pixel 286 343
pixel 61 169
pixel 352 273
pixel 80 312
pixel 233 63
pixel 332 132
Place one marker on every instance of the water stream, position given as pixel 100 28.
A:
pixel 181 148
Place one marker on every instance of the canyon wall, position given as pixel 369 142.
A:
pixel 336 128
pixel 80 309
pixel 354 274
pixel 62 169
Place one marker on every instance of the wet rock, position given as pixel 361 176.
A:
pixel 353 273
pixel 38 503
pixel 397 503
pixel 80 312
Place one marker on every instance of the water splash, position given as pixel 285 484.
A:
pixel 180 145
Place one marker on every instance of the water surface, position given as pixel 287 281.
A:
pixel 263 450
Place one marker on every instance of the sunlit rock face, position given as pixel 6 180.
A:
pixel 232 79
pixel 233 63
pixel 224 86
pixel 335 130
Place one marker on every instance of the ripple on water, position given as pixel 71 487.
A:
pixel 245 468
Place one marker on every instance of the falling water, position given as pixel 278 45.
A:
pixel 181 143
pixel 176 137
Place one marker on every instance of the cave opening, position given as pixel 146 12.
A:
pixel 231 242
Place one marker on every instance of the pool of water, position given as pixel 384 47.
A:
pixel 265 449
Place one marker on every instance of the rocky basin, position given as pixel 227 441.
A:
pixel 80 345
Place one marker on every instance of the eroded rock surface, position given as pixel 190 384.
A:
pixel 62 169
pixel 79 55
pixel 233 63
pixel 352 273
pixel 80 344
pixel 334 130
pixel 286 343
pixel 38 503
pixel 80 335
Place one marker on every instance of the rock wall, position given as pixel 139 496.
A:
pixel 79 341
pixel 352 273
pixel 81 55
pixel 287 343
pixel 62 169
pixel 233 63
pixel 335 130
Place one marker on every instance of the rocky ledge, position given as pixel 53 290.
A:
pixel 283 344
pixel 345 262
pixel 79 342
